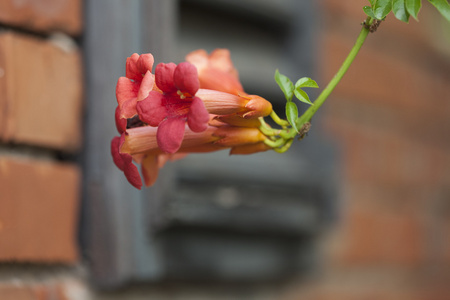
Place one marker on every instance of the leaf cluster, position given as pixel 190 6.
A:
pixel 289 90
pixel 403 9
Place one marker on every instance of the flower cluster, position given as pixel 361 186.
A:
pixel 196 106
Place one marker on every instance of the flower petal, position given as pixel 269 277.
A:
pixel 128 109
pixel 164 77
pixel 150 169
pixel 199 58
pixel 170 134
pixel 185 78
pixel 216 71
pixel 117 158
pixel 126 90
pixel 131 69
pixel 220 59
pixel 198 116
pixel 147 84
pixel 145 63
pixel 151 110
pixel 121 123
pixel 220 81
pixel 131 172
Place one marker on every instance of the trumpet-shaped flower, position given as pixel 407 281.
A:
pixel 195 106
pixel 136 85
pixel 176 105
pixel 249 148
pixel 216 74
pixel 143 139
pixel 231 136
pixel 216 71
pixel 141 144
pixel 247 106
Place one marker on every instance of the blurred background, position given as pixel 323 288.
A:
pixel 360 209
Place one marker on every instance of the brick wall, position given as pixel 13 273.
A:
pixel 390 117
pixel 40 137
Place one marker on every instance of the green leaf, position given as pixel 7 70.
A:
pixel 285 84
pixel 302 96
pixel 292 114
pixel 305 82
pixel 368 10
pixel 399 9
pixel 443 7
pixel 413 7
pixel 372 2
pixel 382 8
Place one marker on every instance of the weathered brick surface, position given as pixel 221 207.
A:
pixel 388 155
pixel 381 236
pixel 370 288
pixel 38 210
pixel 379 78
pixel 62 287
pixel 338 14
pixel 41 92
pixel 43 15
pixel 14 292
pixel 390 116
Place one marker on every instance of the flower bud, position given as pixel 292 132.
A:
pixel 257 107
pixel 249 148
pixel 234 136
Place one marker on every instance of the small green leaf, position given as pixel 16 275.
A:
pixel 413 7
pixel 399 9
pixel 285 84
pixel 302 96
pixel 382 8
pixel 368 10
pixel 372 2
pixel 443 7
pixel 292 114
pixel 305 82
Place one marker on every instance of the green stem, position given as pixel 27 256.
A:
pixel 278 120
pixel 309 113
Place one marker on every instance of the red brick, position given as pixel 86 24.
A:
pixel 17 292
pixel 43 15
pixel 380 226
pixel 38 210
pixel 345 16
pixel 369 284
pixel 391 117
pixel 382 237
pixel 344 9
pixel 41 88
pixel 390 90
pixel 401 66
pixel 38 290
pixel 384 156
pixel 358 292
pixel 383 79
pixel 442 220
